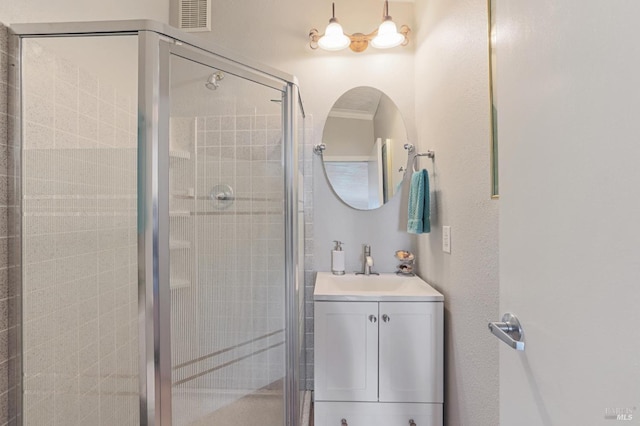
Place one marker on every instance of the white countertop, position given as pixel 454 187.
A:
pixel 385 287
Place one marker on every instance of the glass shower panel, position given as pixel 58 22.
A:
pixel 79 257
pixel 227 254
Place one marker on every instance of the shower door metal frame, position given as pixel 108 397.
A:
pixel 162 310
pixel 156 43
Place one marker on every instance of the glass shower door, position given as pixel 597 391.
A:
pixel 227 247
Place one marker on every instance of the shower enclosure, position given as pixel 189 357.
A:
pixel 159 215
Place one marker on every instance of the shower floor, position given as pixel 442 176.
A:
pixel 264 407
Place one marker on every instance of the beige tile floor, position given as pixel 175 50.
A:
pixel 262 408
pixel 252 410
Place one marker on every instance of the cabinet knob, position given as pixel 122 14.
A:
pixel 386 318
pixel 412 423
pixel 372 318
pixel 343 422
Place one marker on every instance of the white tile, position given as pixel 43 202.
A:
pixel 87 82
pixel 88 127
pixel 106 92
pixel 244 122
pixel 123 102
pixel 65 139
pixel 66 95
pixel 106 134
pixel 66 71
pixel 66 119
pixel 88 104
pixel 274 121
pixel 39 110
pixel 228 122
pixel 260 122
pixel 106 112
pixel 212 123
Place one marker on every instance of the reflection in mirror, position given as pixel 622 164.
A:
pixel 364 157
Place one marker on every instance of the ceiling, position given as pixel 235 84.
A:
pixel 361 102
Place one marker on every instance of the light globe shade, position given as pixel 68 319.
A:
pixel 334 38
pixel 388 36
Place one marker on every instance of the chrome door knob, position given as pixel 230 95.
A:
pixel 373 318
pixel 386 318
pixel 509 331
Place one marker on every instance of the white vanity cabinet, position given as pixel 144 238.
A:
pixel 378 362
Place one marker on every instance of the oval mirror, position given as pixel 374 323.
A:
pixel 364 158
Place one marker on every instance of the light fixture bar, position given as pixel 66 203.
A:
pixel 385 36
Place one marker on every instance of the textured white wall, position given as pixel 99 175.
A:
pixel 452 115
pixel 23 11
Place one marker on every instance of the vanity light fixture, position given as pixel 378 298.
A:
pixel 383 37
pixel 334 37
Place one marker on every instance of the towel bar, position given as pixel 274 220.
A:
pixel 409 147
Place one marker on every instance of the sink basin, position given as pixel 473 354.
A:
pixel 383 287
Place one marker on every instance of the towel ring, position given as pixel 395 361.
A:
pixel 410 148
pixel 414 163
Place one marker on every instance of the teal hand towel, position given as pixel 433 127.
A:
pixel 418 217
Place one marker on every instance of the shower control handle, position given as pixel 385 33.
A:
pixel 343 422
pixel 386 318
pixel 373 318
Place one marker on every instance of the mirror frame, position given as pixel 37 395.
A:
pixel 493 109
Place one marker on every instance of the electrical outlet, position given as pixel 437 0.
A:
pixel 446 239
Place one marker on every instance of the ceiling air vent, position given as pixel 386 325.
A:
pixel 195 15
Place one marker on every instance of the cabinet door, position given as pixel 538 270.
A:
pixel 411 345
pixel 346 351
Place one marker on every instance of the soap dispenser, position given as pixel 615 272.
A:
pixel 337 259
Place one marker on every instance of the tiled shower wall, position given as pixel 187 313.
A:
pixel 246 276
pixel 308 265
pixel 233 307
pixel 80 246
pixel 240 250
pixel 8 293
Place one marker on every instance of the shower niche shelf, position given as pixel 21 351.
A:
pixel 179 245
pixel 179 213
pixel 185 194
pixel 182 205
pixel 178 283
pixel 180 154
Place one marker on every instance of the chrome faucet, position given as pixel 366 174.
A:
pixel 367 262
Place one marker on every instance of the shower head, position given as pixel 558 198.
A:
pixel 212 81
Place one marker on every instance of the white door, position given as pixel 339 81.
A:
pixel 346 351
pixel 411 346
pixel 568 82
